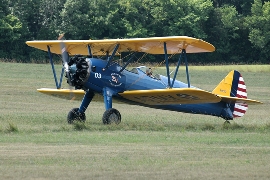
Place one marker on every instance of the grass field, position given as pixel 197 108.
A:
pixel 37 143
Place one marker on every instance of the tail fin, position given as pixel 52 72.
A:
pixel 232 89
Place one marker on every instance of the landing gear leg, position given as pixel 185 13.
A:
pixel 79 113
pixel 111 115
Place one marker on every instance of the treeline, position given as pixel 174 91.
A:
pixel 239 29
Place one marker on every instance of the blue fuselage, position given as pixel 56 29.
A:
pixel 119 80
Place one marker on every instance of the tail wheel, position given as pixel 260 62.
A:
pixel 75 115
pixel 227 122
pixel 111 116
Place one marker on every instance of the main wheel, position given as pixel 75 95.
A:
pixel 75 115
pixel 111 116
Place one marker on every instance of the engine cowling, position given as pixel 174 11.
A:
pixel 79 71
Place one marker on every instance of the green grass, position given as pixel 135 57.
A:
pixel 227 68
pixel 37 143
pixel 220 68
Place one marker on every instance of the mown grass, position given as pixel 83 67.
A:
pixel 220 68
pixel 227 68
pixel 37 143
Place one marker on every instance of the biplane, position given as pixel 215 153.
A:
pixel 90 68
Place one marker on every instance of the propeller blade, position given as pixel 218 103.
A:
pixel 64 53
pixel 65 61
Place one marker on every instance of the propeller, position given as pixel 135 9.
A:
pixel 65 62
pixel 64 53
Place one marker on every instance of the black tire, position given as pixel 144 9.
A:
pixel 111 116
pixel 75 115
pixel 227 122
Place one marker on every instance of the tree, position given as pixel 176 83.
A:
pixel 10 27
pixel 87 19
pixel 40 20
pixel 258 24
pixel 4 10
pixel 239 29
pixel 136 17
pixel 185 17
pixel 259 28
pixel 10 31
pixel 242 6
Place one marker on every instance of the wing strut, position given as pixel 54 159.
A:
pixel 185 56
pixel 89 50
pixel 182 55
pixel 167 65
pixel 127 63
pixel 111 57
pixel 177 67
pixel 58 85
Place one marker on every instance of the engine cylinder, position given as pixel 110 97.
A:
pixel 79 71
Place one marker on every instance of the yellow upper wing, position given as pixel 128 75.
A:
pixel 171 96
pixel 153 45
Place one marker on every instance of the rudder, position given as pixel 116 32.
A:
pixel 233 85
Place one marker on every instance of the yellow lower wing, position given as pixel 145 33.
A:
pixel 63 93
pixel 171 96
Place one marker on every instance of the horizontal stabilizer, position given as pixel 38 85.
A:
pixel 238 100
pixel 170 96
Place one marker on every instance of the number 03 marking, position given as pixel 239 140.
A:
pixel 97 75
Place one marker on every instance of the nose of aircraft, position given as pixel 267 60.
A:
pixel 79 70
